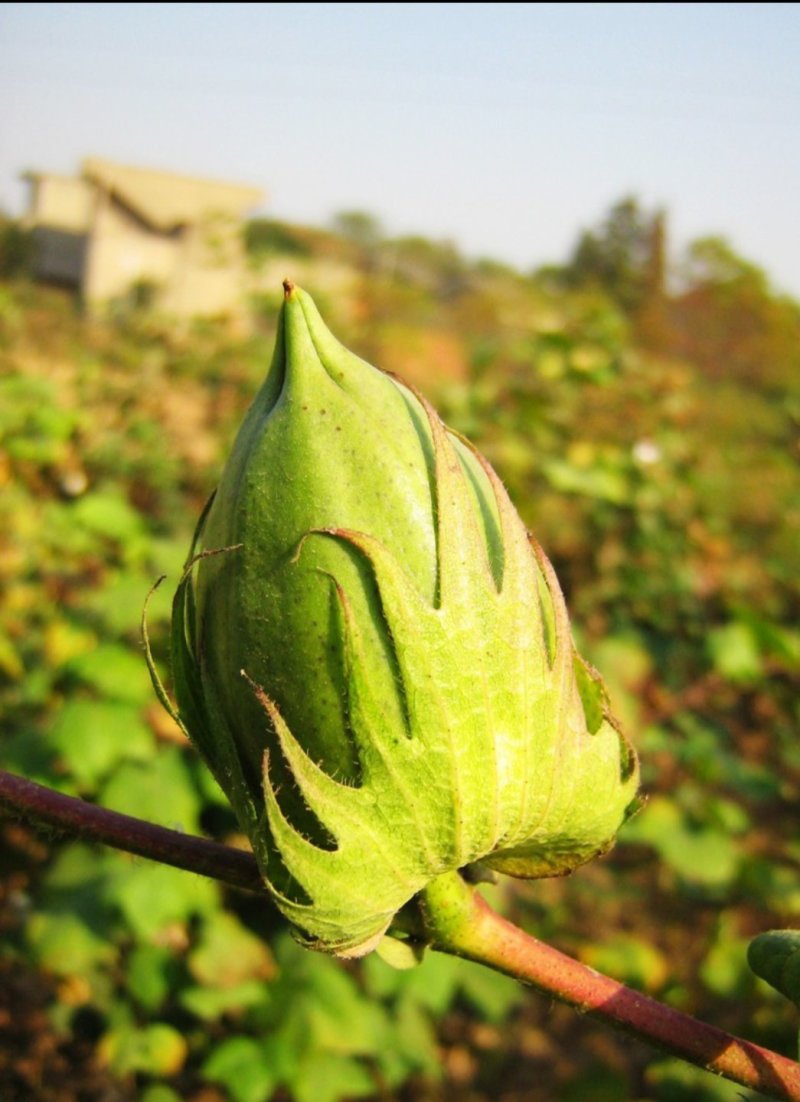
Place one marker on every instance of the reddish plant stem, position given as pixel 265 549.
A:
pixel 171 847
pixel 456 920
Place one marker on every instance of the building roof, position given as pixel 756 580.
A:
pixel 165 200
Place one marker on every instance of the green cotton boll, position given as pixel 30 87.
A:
pixel 375 660
pixel 775 957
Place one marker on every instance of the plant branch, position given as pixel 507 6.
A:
pixel 170 847
pixel 458 921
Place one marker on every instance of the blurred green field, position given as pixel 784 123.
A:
pixel 649 437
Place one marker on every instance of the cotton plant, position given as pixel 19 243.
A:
pixel 374 659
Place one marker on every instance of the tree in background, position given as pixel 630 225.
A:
pixel 651 319
pixel 724 315
pixel 730 322
pixel 438 266
pixel 16 249
pixel 624 256
pixel 362 229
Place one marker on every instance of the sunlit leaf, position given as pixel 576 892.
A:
pixel 243 1067
pixel 108 513
pixel 65 945
pixel 329 1078
pixel 632 960
pixel 160 790
pixel 157 1049
pixel 115 672
pixel 91 737
pixel 159 1093
pixel 152 896
pixel 734 652
pixel 210 1003
pixel 151 974
pixel 702 855
pixel 227 953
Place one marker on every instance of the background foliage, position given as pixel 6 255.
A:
pixel 645 422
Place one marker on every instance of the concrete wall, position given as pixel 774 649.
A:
pixel 60 202
pixel 124 251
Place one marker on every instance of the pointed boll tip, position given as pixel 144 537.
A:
pixel 288 288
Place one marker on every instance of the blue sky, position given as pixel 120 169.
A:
pixel 505 128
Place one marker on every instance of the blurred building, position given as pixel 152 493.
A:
pixel 117 232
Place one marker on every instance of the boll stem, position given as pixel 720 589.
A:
pixel 458 921
pixel 44 807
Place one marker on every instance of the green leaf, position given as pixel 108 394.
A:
pixel 432 985
pixel 775 886
pixel 150 975
pixel 210 1003
pixel 400 954
pixel 315 1006
pixel 30 754
pixel 33 427
pixel 329 1078
pixel 243 1067
pixel 93 736
pixel 735 653
pixel 208 786
pixel 107 513
pixel 152 896
pixel 724 970
pixel 597 480
pixel 65 945
pixel 629 959
pixel 381 979
pixel 118 605
pixel 76 882
pixel 338 1017
pixel 727 814
pixel 701 855
pixel 159 1093
pixel 161 791
pixel 492 995
pixel 413 1045
pixel 65 640
pixel 157 1049
pixel 114 671
pixel 227 953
